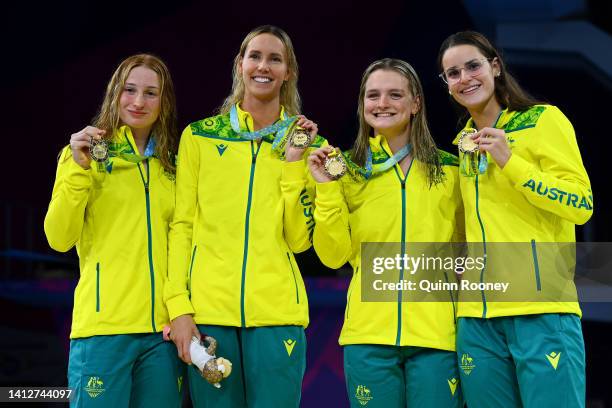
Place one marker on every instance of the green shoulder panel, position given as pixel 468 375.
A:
pixel 318 142
pixel 219 127
pixel 354 171
pixel 379 156
pixel 118 147
pixel 448 159
pixel 525 119
pixel 216 127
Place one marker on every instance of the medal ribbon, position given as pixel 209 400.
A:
pixel 280 128
pixel 372 169
pixel 468 165
pixel 473 163
pixel 134 157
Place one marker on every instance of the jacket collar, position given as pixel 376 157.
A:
pixel 245 120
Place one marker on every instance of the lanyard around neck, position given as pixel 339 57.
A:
pixel 372 169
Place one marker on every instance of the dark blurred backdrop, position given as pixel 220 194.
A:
pixel 59 57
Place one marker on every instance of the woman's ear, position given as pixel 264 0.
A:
pixel 416 106
pixel 239 67
pixel 496 66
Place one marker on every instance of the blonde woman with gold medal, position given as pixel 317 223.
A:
pixel 399 188
pixel 522 182
pixel 244 206
pixel 113 199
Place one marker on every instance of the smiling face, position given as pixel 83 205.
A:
pixel 388 103
pixel 140 99
pixel 474 90
pixel 264 67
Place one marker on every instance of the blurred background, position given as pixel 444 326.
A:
pixel 58 59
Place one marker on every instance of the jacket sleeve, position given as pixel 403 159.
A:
pixel 557 181
pixel 298 192
pixel 176 293
pixel 66 213
pixel 332 237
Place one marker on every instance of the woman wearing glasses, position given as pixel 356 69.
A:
pixel 523 182
pixel 400 190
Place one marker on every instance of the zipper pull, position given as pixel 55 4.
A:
pixel 403 184
pixel 253 159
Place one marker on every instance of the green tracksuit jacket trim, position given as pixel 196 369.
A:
pixel 539 196
pixel 390 207
pixel 117 214
pixel 247 212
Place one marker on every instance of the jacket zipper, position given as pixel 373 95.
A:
pixel 484 245
pixel 150 247
pixel 145 183
pixel 297 294
pixel 403 249
pixel 484 238
pixel 536 265
pixel 246 230
pixel 98 287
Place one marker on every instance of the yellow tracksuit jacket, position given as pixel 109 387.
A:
pixel 389 208
pixel 536 199
pixel 241 213
pixel 117 214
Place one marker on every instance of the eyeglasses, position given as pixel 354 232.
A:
pixel 472 68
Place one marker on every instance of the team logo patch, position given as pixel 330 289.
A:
pixel 467 364
pixel 553 359
pixel 452 384
pixel 94 387
pixel 363 394
pixel 221 148
pixel 289 344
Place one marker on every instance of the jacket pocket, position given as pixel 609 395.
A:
pixel 451 297
pixel 536 266
pixel 98 287
pixel 297 293
pixel 193 254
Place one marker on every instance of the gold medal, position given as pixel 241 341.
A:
pixel 472 161
pixel 299 137
pixel 98 149
pixel 335 166
pixel 466 143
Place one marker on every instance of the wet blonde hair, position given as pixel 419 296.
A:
pixel 423 146
pixel 164 128
pixel 289 95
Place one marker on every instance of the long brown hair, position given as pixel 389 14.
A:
pixel 423 146
pixel 165 127
pixel 508 92
pixel 289 95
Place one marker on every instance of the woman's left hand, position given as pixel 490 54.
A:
pixel 295 153
pixel 494 141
